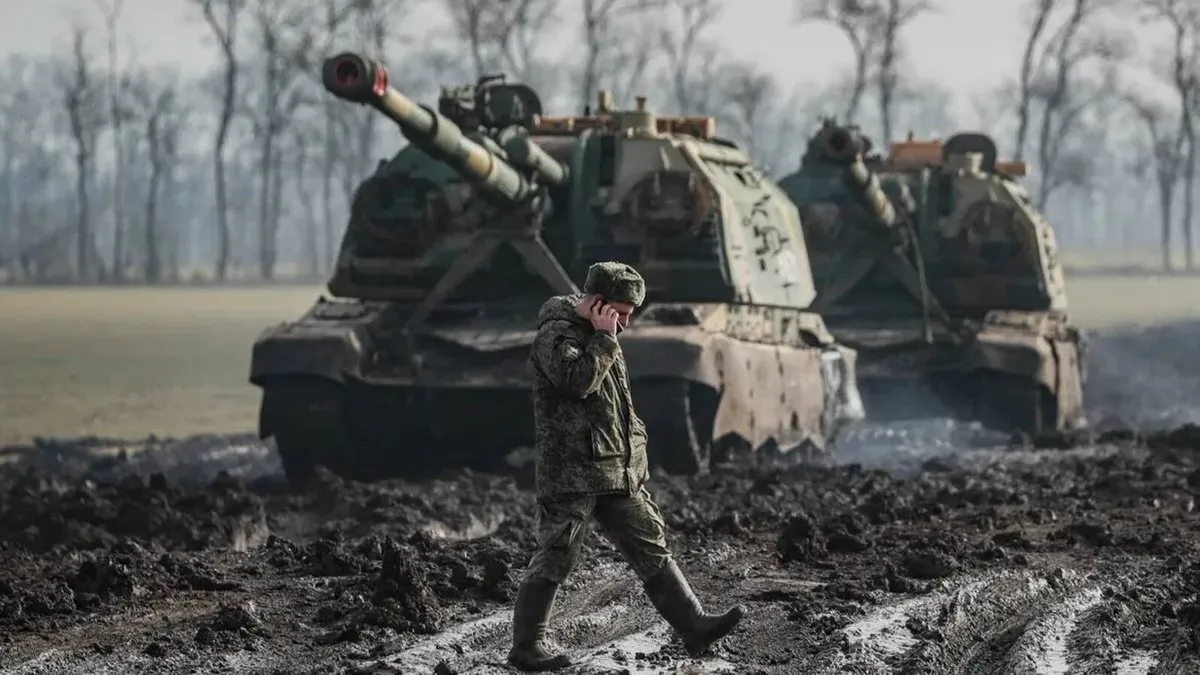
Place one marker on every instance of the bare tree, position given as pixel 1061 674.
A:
pixel 283 40
pixel 521 34
pixel 1060 108
pixel 352 132
pixel 118 116
pixel 925 108
pixel 1025 78
pixel 83 104
pixel 692 61
pixel 303 138
pixel 470 19
pixel 162 119
pixel 1183 18
pixel 895 15
pixel 13 91
pixel 1167 159
pixel 373 19
pixel 1052 84
pixel 616 53
pixel 749 93
pixel 222 18
pixel 37 170
pixel 334 15
pixel 859 21
pixel 506 35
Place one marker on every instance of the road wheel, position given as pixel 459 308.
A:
pixel 1012 403
pixel 305 417
pixel 679 420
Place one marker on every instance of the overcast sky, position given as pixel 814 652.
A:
pixel 967 44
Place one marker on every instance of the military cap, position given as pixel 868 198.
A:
pixel 617 282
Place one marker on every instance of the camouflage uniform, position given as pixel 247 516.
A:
pixel 591 463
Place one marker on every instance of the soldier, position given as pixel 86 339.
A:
pixel 591 463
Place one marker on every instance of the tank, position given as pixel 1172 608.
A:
pixel 418 358
pixel 934 266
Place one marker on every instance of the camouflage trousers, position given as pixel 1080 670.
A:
pixel 632 523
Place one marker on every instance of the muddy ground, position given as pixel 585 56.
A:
pixel 926 548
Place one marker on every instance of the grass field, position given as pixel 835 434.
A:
pixel 131 362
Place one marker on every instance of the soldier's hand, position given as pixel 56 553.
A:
pixel 587 306
pixel 604 318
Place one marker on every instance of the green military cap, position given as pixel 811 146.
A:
pixel 617 282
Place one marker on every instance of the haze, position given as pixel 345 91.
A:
pixel 968 45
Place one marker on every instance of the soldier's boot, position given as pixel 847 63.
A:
pixel 535 599
pixel 672 596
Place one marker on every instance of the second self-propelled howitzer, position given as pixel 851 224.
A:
pixel 933 264
pixel 421 359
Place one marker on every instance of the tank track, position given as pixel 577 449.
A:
pixel 306 418
pixel 679 417
pixel 359 435
pixel 999 401
pixel 317 422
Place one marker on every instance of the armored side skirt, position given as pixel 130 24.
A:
pixel 1005 376
pixel 334 395
pixel 363 429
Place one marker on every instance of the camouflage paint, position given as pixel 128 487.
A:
pixel 445 263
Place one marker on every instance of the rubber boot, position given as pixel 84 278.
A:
pixel 673 598
pixel 535 599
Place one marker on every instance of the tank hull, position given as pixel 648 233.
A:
pixel 340 391
pixel 1013 372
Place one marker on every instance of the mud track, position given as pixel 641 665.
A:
pixel 926 548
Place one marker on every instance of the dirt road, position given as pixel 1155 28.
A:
pixel 938 551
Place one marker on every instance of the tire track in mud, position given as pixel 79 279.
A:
pixel 602 622
pixel 1036 622
pixel 1042 623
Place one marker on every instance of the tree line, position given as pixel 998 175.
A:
pixel 121 173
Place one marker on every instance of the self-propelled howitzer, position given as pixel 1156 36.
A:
pixel 934 266
pixel 455 243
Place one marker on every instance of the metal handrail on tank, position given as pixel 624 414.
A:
pixel 354 78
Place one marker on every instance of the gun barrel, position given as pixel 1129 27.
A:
pixel 864 183
pixel 526 154
pixel 352 77
pixel 842 144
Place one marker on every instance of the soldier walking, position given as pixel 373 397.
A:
pixel 591 464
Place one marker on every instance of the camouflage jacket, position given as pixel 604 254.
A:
pixel 589 439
